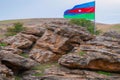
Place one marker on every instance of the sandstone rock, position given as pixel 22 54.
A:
pixel 53 42
pixel 58 40
pixel 100 53
pixel 50 47
pixel 113 34
pixel 5 73
pixel 42 55
pixel 20 40
pixel 15 62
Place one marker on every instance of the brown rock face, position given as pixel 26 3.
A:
pixel 50 47
pixel 58 40
pixel 102 53
pixel 53 42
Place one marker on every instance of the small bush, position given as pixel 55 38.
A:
pixel 85 23
pixel 17 27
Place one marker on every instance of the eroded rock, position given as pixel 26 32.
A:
pixel 53 42
pixel 15 62
pixel 58 40
pixel 61 73
pixel 100 53
pixel 41 55
pixel 20 41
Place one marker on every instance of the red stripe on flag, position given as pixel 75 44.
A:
pixel 82 10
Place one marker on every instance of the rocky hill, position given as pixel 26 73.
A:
pixel 57 50
pixel 34 22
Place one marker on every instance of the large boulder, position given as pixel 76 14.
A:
pixel 20 41
pixel 58 40
pixel 50 47
pixel 15 62
pixel 101 53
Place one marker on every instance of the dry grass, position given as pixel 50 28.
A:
pixel 107 27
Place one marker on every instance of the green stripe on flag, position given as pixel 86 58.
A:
pixel 89 16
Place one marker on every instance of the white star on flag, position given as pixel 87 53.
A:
pixel 79 10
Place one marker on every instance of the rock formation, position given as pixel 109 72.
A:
pixel 101 53
pixel 80 55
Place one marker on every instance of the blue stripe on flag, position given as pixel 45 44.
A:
pixel 85 5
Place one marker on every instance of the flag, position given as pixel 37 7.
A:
pixel 85 10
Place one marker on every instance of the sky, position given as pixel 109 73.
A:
pixel 107 11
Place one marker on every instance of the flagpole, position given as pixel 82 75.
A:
pixel 95 21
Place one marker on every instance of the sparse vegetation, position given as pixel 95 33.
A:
pixel 17 27
pixel 3 44
pixel 42 67
pixel 18 78
pixel 38 74
pixel 104 73
pixel 24 55
pixel 81 53
pixel 85 23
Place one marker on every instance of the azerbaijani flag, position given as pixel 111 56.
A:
pixel 85 10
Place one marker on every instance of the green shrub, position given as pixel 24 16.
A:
pixel 17 27
pixel 25 55
pixel 3 44
pixel 81 53
pixel 85 23
pixel 104 73
pixel 38 74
